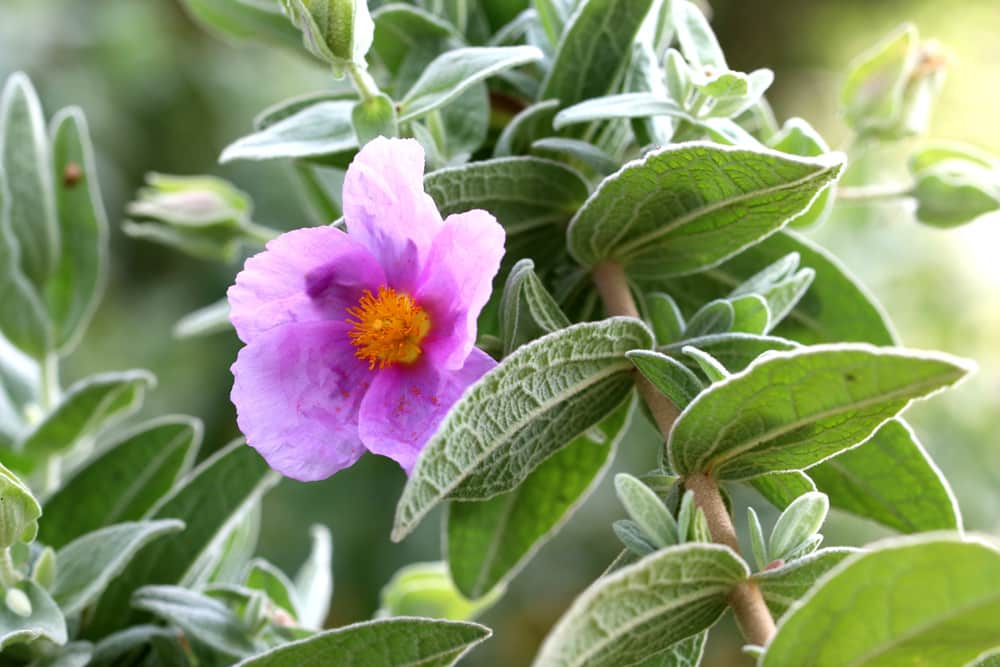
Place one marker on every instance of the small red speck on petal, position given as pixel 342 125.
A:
pixel 415 390
pixel 774 565
pixel 435 400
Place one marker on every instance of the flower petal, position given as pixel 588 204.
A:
pixel 303 276
pixel 457 282
pixel 405 405
pixel 297 392
pixel 386 208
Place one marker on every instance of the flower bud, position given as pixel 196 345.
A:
pixel 337 31
pixel 18 602
pixel 426 589
pixel 44 572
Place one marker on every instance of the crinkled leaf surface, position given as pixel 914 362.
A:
pixel 783 586
pixel 790 410
pixel 643 608
pixel 534 403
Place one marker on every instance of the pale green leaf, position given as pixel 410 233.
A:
pixel 524 128
pixel 802 519
pixel 527 310
pixel 684 591
pixel 89 563
pixel 665 317
pixel 891 480
pixel 781 488
pixel 265 577
pixel 314 580
pixel 245 21
pixel 790 410
pixel 74 288
pixel 210 319
pixel 672 378
pixel 45 620
pixel 688 207
pixel 202 619
pixel 735 351
pixel 647 510
pixel 715 317
pixel 317 130
pixel 122 481
pixel 784 585
pixel 374 117
pixel 490 541
pixel 933 599
pixel 534 403
pixel 695 36
pixel 399 28
pixel 452 72
pixel 624 105
pixel 391 642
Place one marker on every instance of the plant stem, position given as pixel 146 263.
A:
pixel 748 605
pixel 875 193
pixel 363 82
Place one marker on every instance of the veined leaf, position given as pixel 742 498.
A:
pixel 208 500
pixel 906 601
pixel 529 124
pixel 74 289
pixel 89 563
pixel 684 591
pixel 534 403
pixel 527 310
pixel 688 207
pixel 406 642
pixel 735 351
pixel 452 72
pixel 265 577
pixel 624 105
pixel 781 488
pixel 791 410
pixel 671 377
pixel 784 586
pixel 108 489
pixel 399 28
pixel 44 621
pixel 891 480
pixel 243 20
pixel 490 541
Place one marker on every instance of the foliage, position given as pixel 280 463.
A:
pixel 647 191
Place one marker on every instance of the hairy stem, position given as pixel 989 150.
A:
pixel 363 82
pixel 751 612
pixel 875 193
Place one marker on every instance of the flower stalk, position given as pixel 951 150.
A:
pixel 746 600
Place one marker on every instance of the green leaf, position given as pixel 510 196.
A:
pixel 321 129
pixel 800 521
pixel 314 580
pixel 797 137
pixel 88 406
pixel 374 117
pixel 577 153
pixel 207 320
pixel 400 642
pixel 665 317
pixel 243 20
pixel 534 403
pixel 74 654
pixel 633 537
pixel 527 310
pixel 19 511
pixel 399 28
pixel 672 378
pixel 783 586
pixel 781 488
pixel 790 410
pixel 934 597
pixel 751 314
pixel 757 543
pixel 123 481
pixel 688 207
pixel 837 308
pixel 451 73
pixel 684 591
pixel 685 653
pixel 890 479
pixel 647 510
pixel 735 351
pixel 226 560
pixel 206 503
pixel 714 317
pixel 695 36
pixel 553 15
pixel 956 192
pixel 490 541
pixel 118 644
pixel 872 97
pixel 265 577
pixel 711 367
pixel 201 618
pixel 426 590
pixel 25 169
pixel 624 105
pixel 593 50
pixel 532 198
pixel 89 563
pixel 463 125
pixel 524 128
pixel 74 289
pixel 44 620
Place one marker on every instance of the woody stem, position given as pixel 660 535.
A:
pixel 748 605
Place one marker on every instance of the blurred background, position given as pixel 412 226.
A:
pixel 161 94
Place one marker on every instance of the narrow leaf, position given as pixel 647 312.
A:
pixel 671 377
pixel 314 581
pixel 321 129
pixel 784 586
pixel 44 621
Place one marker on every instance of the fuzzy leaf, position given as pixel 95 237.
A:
pixel 687 207
pixel 783 586
pixel 791 410
pixel 534 403
pixel 44 621
pixel 321 129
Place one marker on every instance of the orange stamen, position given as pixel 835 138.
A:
pixel 387 328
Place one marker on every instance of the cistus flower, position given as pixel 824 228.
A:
pixel 362 340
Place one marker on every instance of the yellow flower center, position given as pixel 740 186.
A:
pixel 387 328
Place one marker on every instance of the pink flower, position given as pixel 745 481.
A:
pixel 362 340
